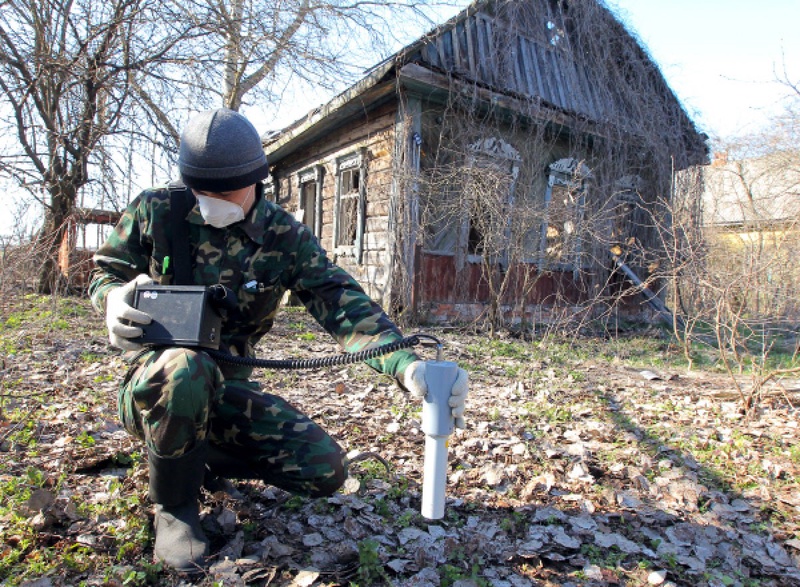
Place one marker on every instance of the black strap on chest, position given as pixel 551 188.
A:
pixel 181 202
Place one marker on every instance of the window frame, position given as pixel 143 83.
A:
pixel 573 175
pixel 270 191
pixel 487 153
pixel 491 153
pixel 312 175
pixel 356 163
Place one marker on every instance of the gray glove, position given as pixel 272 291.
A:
pixel 414 379
pixel 121 316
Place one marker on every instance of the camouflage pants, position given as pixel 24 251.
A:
pixel 173 398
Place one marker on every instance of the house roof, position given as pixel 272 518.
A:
pixel 369 92
pixel 517 54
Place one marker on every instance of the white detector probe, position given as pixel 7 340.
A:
pixel 437 424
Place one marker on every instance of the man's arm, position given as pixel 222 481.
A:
pixel 120 258
pixel 342 307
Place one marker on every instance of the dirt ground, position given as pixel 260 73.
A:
pixel 592 462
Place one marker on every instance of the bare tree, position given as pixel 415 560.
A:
pixel 741 278
pixel 94 91
pixel 256 49
pixel 66 69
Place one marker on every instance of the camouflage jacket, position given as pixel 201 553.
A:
pixel 260 259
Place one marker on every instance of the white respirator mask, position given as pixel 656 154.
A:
pixel 220 213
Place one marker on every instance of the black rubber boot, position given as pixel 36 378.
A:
pixel 222 463
pixel 174 487
pixel 221 466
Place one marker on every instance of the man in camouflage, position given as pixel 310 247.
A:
pixel 198 417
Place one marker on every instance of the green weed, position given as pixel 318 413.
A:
pixel 450 574
pixel 370 567
pixel 294 503
pixel 85 440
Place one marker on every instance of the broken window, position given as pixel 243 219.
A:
pixel 350 203
pixel 561 243
pixel 556 20
pixel 469 212
pixel 269 192
pixel 310 205
pixel 562 213
pixel 489 185
pixel 272 190
pixel 555 33
pixel 627 203
pixel 491 176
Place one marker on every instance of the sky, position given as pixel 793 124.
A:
pixel 720 57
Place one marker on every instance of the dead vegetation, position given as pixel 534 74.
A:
pixel 585 462
pixel 555 143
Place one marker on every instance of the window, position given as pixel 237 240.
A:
pixel 91 235
pixel 490 194
pixel 310 205
pixel 348 208
pixel 350 203
pixel 493 167
pixel 626 204
pixel 469 215
pixel 562 211
pixel 555 33
pixel 561 241
pixel 557 23
pixel 270 191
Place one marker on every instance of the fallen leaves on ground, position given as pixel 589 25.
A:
pixel 571 472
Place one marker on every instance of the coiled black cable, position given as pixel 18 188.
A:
pixel 323 362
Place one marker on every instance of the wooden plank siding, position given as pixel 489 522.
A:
pixel 454 296
pixel 476 49
pixel 374 132
pixel 450 286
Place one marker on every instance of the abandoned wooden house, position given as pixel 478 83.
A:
pixel 487 169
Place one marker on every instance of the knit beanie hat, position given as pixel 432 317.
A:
pixel 221 151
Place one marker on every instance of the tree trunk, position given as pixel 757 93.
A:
pixel 50 277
